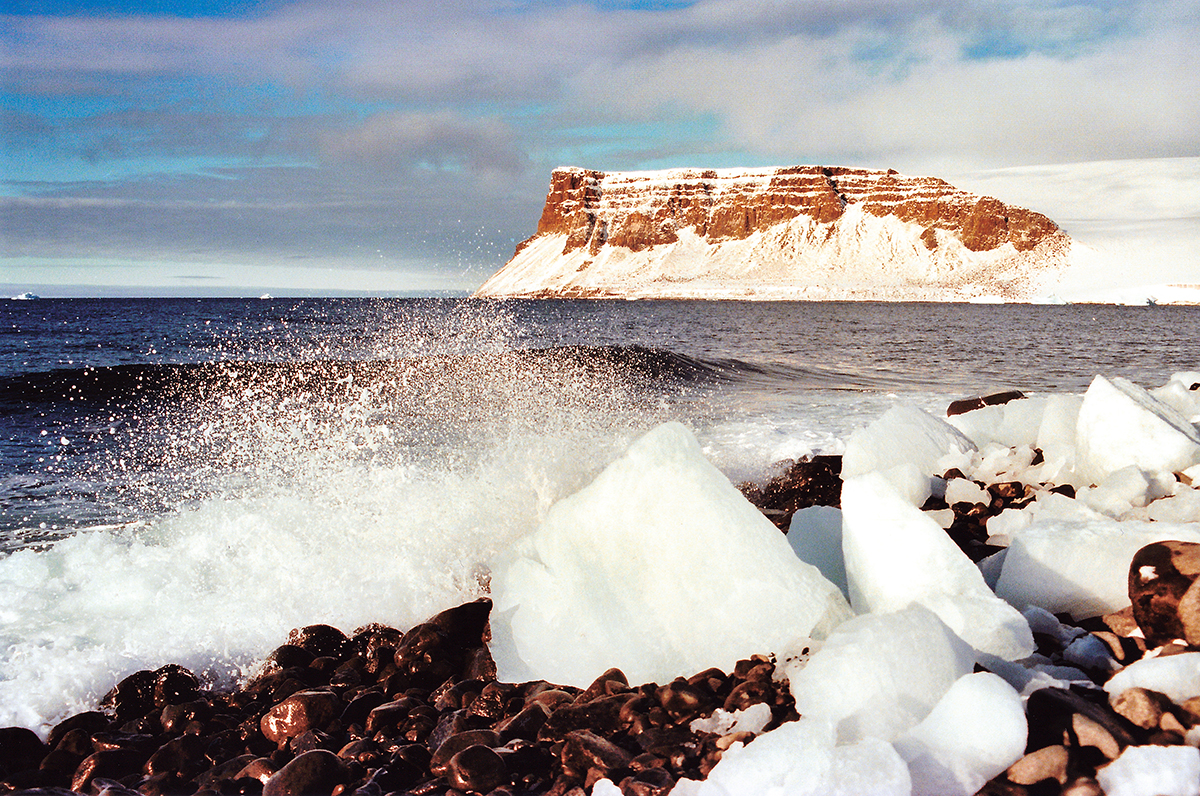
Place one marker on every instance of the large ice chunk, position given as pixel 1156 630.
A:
pixel 897 555
pixel 1177 676
pixel 903 438
pixel 1121 424
pixel 1056 438
pixel 1153 771
pixel 800 758
pixel 977 730
pixel 880 674
pixel 659 567
pixel 815 534
pixel 1079 565
pixel 1013 424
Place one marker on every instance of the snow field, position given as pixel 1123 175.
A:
pixel 661 567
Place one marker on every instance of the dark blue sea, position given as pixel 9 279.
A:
pixel 185 480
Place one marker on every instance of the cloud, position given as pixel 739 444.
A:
pixel 439 140
pixel 428 129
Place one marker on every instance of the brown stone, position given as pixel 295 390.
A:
pixel 476 768
pixel 964 405
pixel 602 716
pixel 1142 707
pixel 803 484
pixel 303 711
pixel 1051 713
pixel 584 752
pixel 319 771
pixel 524 724
pixel 1161 576
pixel 110 764
pixel 20 749
pixel 456 743
pixel 319 640
pixel 260 768
pixel 1049 762
pixel 1089 732
pixel 1082 786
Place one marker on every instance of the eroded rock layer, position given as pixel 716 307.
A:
pixel 796 232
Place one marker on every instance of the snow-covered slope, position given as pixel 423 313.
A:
pixel 803 232
pixel 1134 224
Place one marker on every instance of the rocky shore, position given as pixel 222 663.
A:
pixel 420 711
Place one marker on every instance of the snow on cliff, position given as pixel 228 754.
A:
pixel 804 232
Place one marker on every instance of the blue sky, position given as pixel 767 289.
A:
pixel 393 146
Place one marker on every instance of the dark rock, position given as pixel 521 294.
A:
pixel 59 766
pixel 476 768
pixel 1166 603
pixel 524 724
pixel 20 749
pixel 1051 712
pixel 682 701
pixel 110 764
pixel 303 711
pixel 92 721
pixel 453 723
pixel 182 756
pixel 315 772
pixel 289 656
pixel 964 405
pixel 226 769
pixel 585 752
pixel 260 768
pixel 602 716
pixel 456 743
pixel 805 483
pixel 78 742
pixel 173 685
pixel 109 787
pixel 319 641
pixel 131 698
pixel 176 717
pixel 359 709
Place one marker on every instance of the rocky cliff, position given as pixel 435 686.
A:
pixel 803 232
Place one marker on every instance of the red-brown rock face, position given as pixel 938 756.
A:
pixel 638 211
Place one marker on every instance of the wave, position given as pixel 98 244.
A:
pixel 126 386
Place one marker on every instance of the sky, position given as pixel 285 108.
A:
pixel 197 147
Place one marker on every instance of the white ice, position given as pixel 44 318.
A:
pixel 723 722
pixel 802 758
pixel 1121 424
pixel 896 556
pixel 659 567
pixel 952 752
pixel 1152 771
pixel 1177 676
pixel 908 445
pixel 815 535
pixel 862 679
pixel 1081 564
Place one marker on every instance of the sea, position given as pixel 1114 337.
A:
pixel 185 480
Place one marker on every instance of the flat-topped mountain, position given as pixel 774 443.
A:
pixel 801 232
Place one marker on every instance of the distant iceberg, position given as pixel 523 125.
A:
pixel 26 297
